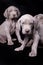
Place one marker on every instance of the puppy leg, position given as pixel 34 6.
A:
pixel 19 37
pixel 29 43
pixel 2 39
pixel 8 37
pixel 34 46
pixel 23 45
pixel 10 40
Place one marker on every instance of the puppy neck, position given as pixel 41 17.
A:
pixel 9 20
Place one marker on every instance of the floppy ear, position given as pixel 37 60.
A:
pixel 18 12
pixel 6 13
pixel 18 25
pixel 40 16
pixel 35 23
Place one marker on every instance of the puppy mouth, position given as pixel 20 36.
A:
pixel 15 19
pixel 27 34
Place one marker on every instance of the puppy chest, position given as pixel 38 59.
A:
pixel 2 37
pixel 12 27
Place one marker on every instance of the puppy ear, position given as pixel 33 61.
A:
pixel 6 13
pixel 18 25
pixel 18 12
pixel 40 16
pixel 35 23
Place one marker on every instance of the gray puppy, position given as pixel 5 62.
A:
pixel 38 34
pixel 26 23
pixel 9 25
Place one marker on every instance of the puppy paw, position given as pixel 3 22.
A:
pixel 19 49
pixel 10 43
pixel 33 54
pixel 14 39
pixel 3 42
pixel 21 42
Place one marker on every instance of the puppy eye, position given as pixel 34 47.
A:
pixel 10 11
pixel 15 10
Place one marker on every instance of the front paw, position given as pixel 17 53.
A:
pixel 10 43
pixel 21 41
pixel 19 48
pixel 33 53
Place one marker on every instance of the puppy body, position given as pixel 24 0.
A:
pixel 26 23
pixel 6 29
pixel 8 26
pixel 38 35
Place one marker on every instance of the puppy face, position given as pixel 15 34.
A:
pixel 12 12
pixel 26 24
pixel 39 17
pixel 38 21
pixel 27 27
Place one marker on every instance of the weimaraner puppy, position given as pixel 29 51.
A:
pixel 25 23
pixel 38 34
pixel 9 25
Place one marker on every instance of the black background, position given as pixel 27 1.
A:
pixel 7 54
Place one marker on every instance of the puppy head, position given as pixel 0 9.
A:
pixel 26 23
pixel 38 19
pixel 12 12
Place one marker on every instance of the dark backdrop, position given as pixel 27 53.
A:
pixel 7 53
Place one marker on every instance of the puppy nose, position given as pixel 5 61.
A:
pixel 27 31
pixel 14 15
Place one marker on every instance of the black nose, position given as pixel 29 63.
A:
pixel 14 15
pixel 27 31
